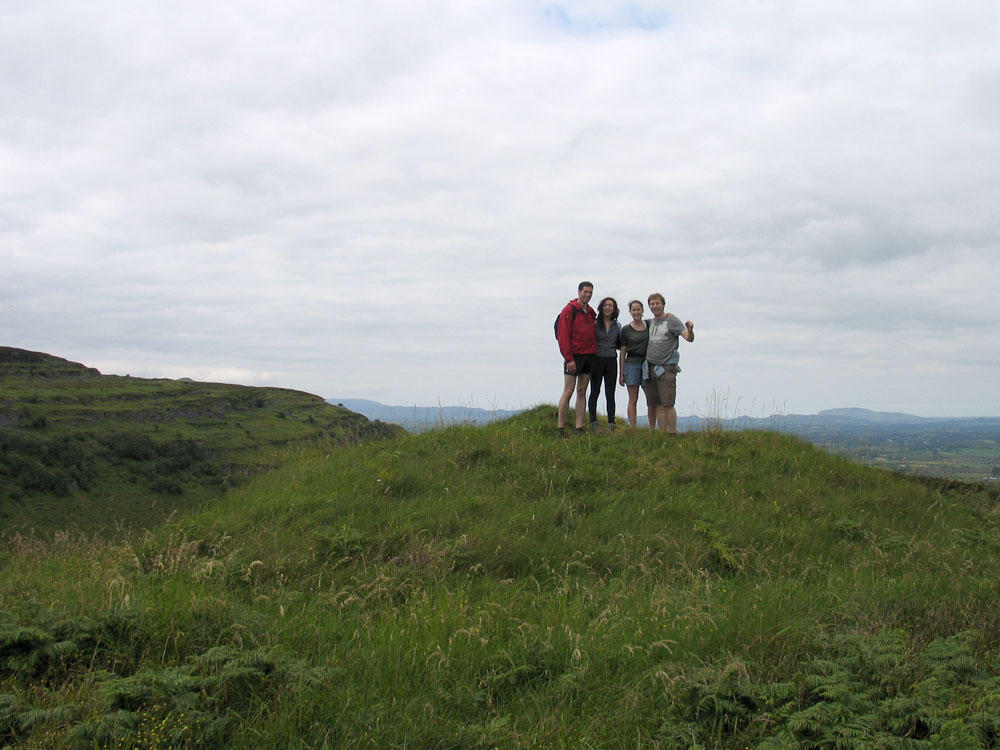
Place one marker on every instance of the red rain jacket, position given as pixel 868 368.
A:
pixel 576 331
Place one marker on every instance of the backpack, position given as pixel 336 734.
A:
pixel 555 326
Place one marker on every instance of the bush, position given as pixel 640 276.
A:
pixel 130 446
pixel 167 486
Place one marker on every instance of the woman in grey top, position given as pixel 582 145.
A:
pixel 634 338
pixel 607 329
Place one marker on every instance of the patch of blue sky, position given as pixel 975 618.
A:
pixel 597 17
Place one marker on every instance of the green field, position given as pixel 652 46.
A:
pixel 966 464
pixel 497 587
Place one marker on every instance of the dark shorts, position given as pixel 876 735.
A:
pixel 586 364
pixel 661 391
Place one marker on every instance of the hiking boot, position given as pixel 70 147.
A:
pixel 595 427
pixel 611 426
pixel 561 432
pixel 580 431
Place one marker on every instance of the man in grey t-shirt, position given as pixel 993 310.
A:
pixel 662 356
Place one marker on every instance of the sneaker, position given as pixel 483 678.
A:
pixel 580 431
pixel 561 432
pixel 595 427
pixel 611 426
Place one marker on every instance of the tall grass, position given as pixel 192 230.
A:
pixel 499 587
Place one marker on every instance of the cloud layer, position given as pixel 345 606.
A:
pixel 393 200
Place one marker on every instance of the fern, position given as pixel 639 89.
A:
pixel 8 716
pixel 43 717
pixel 866 692
pixel 722 558
pixel 31 651
pixel 195 704
pixel 51 650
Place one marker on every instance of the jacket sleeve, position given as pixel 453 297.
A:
pixel 564 333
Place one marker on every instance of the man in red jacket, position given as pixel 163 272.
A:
pixel 578 346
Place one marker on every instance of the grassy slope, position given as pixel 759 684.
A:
pixel 82 449
pixel 498 587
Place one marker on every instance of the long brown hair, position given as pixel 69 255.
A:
pixel 600 309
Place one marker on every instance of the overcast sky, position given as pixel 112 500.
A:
pixel 393 199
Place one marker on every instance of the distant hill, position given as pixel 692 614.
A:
pixel 874 417
pixel 420 418
pixel 850 418
pixel 78 448
pixel 24 363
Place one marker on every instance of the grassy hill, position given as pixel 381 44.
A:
pixel 497 587
pixel 82 449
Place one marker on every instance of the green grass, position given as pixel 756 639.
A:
pixel 500 587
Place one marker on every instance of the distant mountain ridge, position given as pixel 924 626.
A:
pixel 420 418
pixel 867 415
pixel 847 417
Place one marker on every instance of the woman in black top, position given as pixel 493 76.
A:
pixel 634 338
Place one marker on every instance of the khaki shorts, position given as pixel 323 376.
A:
pixel 661 391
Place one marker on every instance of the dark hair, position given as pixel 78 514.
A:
pixel 636 302
pixel 583 284
pixel 600 309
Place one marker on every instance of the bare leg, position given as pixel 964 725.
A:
pixel 569 382
pixel 582 382
pixel 670 414
pixel 666 418
pixel 633 401
pixel 661 419
pixel 650 410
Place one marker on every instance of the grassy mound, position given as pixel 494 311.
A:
pixel 499 587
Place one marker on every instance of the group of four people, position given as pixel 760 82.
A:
pixel 597 349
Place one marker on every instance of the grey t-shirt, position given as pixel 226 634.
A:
pixel 663 334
